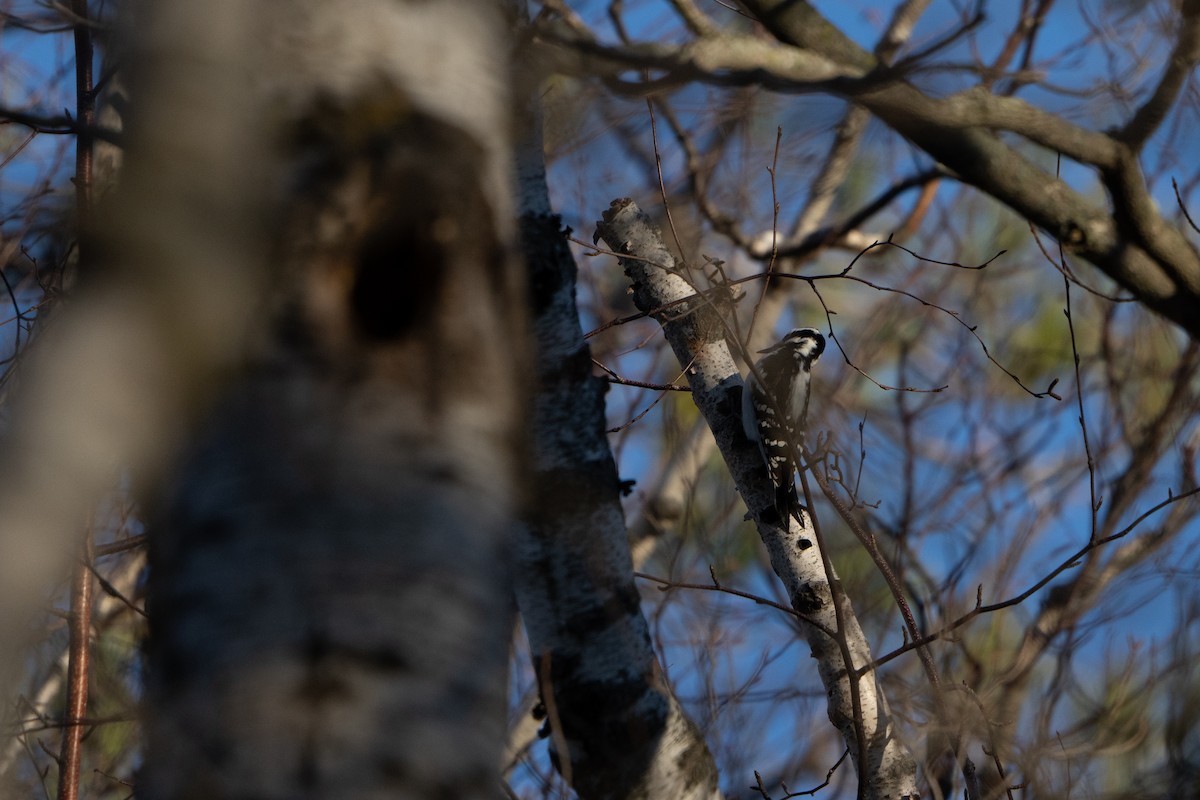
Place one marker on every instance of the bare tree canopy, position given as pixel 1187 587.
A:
pixel 372 406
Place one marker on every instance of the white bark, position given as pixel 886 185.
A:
pixel 694 327
pixel 315 231
pixel 624 732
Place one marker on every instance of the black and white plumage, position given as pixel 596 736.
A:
pixel 775 409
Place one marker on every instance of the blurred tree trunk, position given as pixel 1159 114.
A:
pixel 328 572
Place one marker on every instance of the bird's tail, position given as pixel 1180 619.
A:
pixel 787 505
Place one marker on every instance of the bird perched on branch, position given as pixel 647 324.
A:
pixel 775 410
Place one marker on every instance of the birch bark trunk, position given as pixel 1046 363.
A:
pixel 329 572
pixel 622 729
pixel 694 326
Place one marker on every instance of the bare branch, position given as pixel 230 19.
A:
pixel 1184 57
pixel 1156 262
pixel 695 327
pixel 1147 256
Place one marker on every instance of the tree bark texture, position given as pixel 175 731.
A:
pixel 694 325
pixel 625 734
pixel 329 569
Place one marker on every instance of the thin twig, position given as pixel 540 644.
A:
pixel 85 111
pixel 1069 562
pixel 80 620
pixel 788 793
pixel 1093 505
pixel 774 259
pixel 717 586
pixel 1182 207
pixel 613 377
pixel 80 625
pixel 662 186
pixel 1062 266
pixel 121 546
